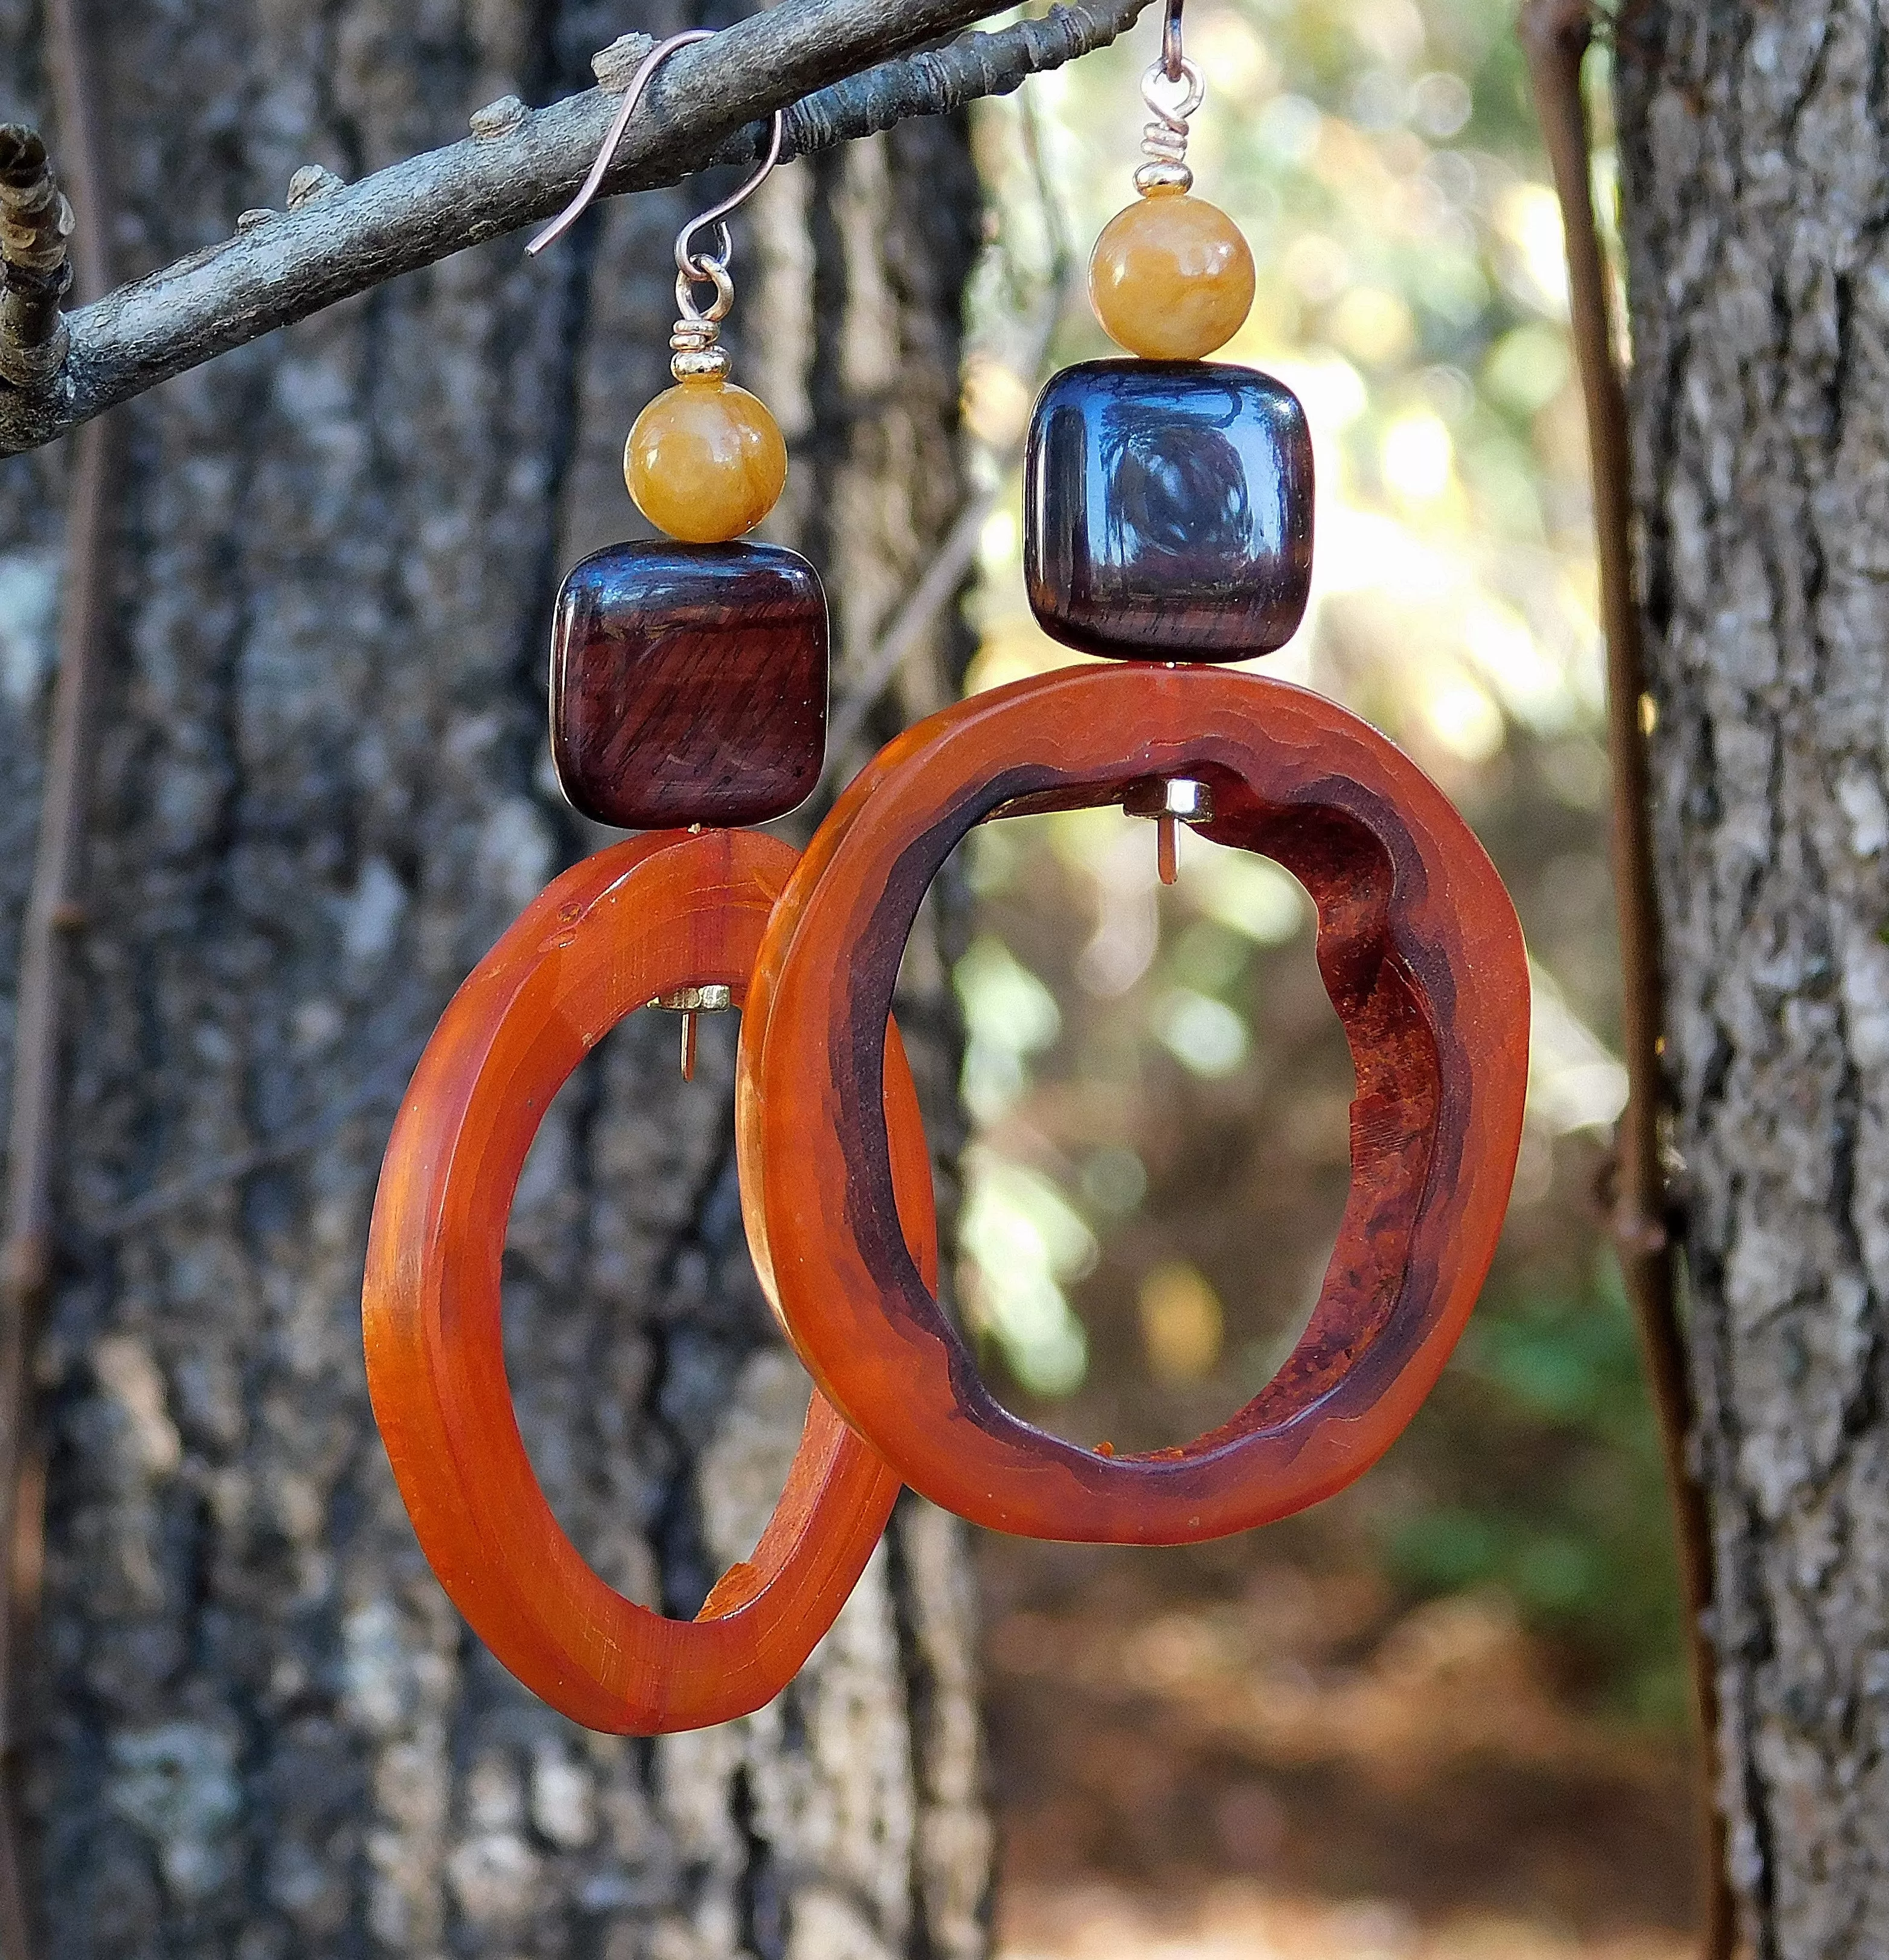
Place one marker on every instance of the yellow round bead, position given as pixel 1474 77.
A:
pixel 705 462
pixel 1172 278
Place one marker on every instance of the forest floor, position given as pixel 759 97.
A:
pixel 1299 1768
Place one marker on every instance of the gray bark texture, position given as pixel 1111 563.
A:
pixel 252 1725
pixel 1756 209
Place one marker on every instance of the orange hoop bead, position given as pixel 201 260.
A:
pixel 1421 954
pixel 634 922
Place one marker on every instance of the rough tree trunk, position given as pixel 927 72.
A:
pixel 255 1728
pixel 1755 210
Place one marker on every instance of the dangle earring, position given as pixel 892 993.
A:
pixel 1172 277
pixel 1168 526
pixel 689 679
pixel 1168 501
pixel 689 694
pixel 689 675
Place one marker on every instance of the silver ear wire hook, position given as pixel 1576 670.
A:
pixel 696 268
pixel 693 342
pixel 1173 61
pixel 606 156
pixel 1164 142
pixel 690 266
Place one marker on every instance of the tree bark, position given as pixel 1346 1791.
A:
pixel 1755 211
pixel 254 1727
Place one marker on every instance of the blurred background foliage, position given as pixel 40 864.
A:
pixel 1159 1084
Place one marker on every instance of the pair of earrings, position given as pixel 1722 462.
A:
pixel 1168 526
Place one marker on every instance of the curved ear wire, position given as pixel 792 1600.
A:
pixel 688 262
pixel 693 340
pixel 1173 61
pixel 606 156
pixel 1164 142
pixel 691 265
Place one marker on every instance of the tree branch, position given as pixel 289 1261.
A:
pixel 709 104
pixel 35 274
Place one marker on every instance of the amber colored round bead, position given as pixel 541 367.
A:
pixel 1172 278
pixel 706 462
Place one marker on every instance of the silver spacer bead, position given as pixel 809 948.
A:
pixel 1157 179
pixel 705 364
pixel 696 352
pixel 1175 796
pixel 709 1000
pixel 1164 140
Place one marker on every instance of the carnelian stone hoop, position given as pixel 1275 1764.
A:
pixel 1423 957
pixel 637 921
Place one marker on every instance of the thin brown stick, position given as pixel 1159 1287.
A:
pixel 52 917
pixel 1556 35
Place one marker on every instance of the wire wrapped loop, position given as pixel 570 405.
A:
pixel 1164 140
pixel 694 345
pixel 708 273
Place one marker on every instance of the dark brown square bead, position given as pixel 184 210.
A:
pixel 688 684
pixel 1167 510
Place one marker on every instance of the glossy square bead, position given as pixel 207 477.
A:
pixel 688 684
pixel 1167 510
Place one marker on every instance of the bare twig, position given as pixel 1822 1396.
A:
pixel 1556 34
pixel 709 104
pixel 53 908
pixel 35 223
